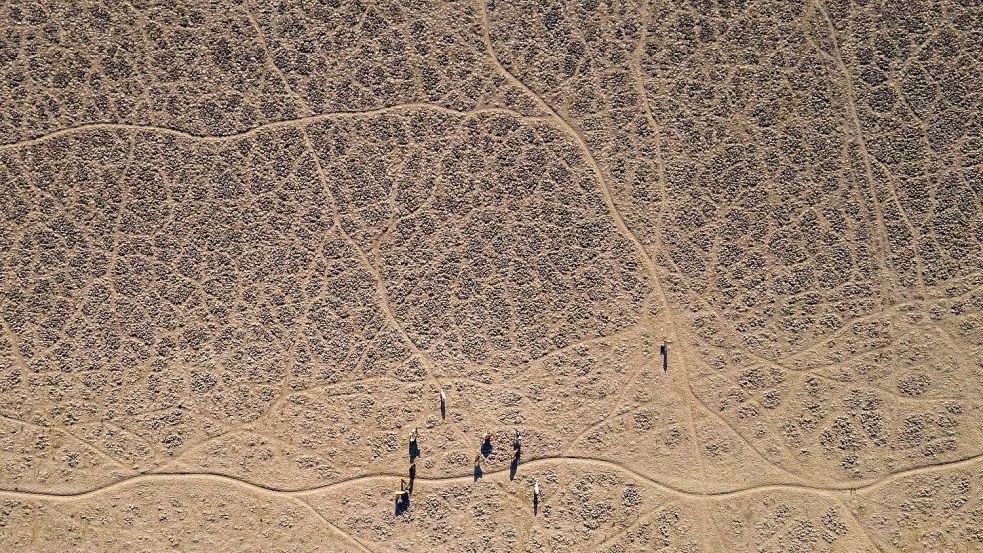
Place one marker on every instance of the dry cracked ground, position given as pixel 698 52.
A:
pixel 244 244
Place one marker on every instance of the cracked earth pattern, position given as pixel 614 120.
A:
pixel 245 244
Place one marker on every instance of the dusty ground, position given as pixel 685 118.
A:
pixel 244 244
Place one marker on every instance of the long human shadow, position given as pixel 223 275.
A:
pixel 402 504
pixel 664 350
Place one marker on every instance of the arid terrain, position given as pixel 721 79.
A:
pixel 717 262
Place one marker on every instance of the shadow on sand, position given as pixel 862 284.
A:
pixel 402 504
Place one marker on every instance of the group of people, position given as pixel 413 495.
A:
pixel 406 486
pixel 486 443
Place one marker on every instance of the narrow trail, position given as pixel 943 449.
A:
pixel 382 292
pixel 848 513
pixel 635 68
pixel 350 538
pixel 835 490
pixel 880 237
pixel 581 143
pixel 707 490
pixel 669 330
pixel 274 125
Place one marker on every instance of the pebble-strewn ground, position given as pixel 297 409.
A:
pixel 245 245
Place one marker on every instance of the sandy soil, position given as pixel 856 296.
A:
pixel 245 245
